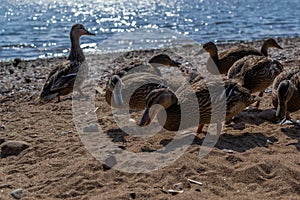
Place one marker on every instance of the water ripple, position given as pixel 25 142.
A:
pixel 33 29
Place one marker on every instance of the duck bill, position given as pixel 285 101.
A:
pixel 149 114
pixel 146 119
pixel 175 63
pixel 89 33
pixel 278 47
pixel 281 110
pixel 117 97
pixel 117 100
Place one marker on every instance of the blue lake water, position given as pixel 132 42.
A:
pixel 32 29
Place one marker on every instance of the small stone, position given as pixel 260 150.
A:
pixel 27 80
pixel 13 147
pixel 109 162
pixel 4 89
pixel 2 127
pixel 228 150
pixel 18 193
pixel 132 195
pixel 132 120
pixel 17 61
pixel 91 128
pixel 11 71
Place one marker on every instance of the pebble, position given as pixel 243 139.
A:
pixel 16 62
pixel 109 162
pixel 12 147
pixel 91 128
pixel 4 89
pixel 132 195
pixel 18 193
pixel 11 71
pixel 132 120
pixel 27 80
pixel 228 150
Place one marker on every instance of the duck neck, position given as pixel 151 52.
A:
pixel 213 64
pixel 264 49
pixel 76 53
pixel 155 67
pixel 214 56
pixel 285 91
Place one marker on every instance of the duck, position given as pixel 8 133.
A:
pixel 202 103
pixel 141 77
pixel 132 90
pixel 286 94
pixel 156 61
pixel 256 73
pixel 61 80
pixel 227 58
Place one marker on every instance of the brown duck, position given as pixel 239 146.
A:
pixel 195 105
pixel 223 61
pixel 61 80
pixel 256 73
pixel 286 94
pixel 141 77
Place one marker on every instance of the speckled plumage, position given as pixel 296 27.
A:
pixel 255 73
pixel 192 105
pixel 62 78
pixel 143 78
pixel 288 97
pixel 221 63
pixel 135 89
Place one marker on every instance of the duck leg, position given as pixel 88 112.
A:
pixel 261 94
pixel 199 129
pixel 288 120
pixel 219 128
pixel 58 99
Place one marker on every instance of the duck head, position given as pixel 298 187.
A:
pixel 211 48
pixel 78 30
pixel 272 43
pixel 163 59
pixel 156 100
pixel 269 43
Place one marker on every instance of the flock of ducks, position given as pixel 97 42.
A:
pixel 247 71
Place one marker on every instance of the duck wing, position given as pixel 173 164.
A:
pixel 238 52
pixel 60 78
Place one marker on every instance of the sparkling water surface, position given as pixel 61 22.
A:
pixel 38 29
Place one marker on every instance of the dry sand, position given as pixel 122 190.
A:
pixel 253 159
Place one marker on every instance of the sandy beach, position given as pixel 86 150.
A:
pixel 254 158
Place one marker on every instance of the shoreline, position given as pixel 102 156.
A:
pixel 219 43
pixel 28 75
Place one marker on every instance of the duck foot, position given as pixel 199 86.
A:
pixel 251 108
pixel 289 121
